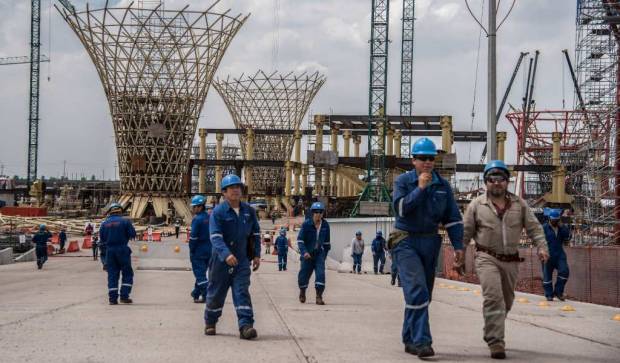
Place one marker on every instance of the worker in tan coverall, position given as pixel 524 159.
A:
pixel 495 221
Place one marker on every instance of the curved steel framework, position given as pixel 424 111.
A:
pixel 269 102
pixel 156 67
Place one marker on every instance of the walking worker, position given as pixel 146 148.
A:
pixel 40 239
pixel 556 234
pixel 495 221
pixel 95 246
pixel 267 242
pixel 149 233
pixel 378 248
pixel 235 235
pixel 115 232
pixel 62 239
pixel 313 241
pixel 357 251
pixel 200 248
pixel 422 200
pixel 282 248
pixel 177 229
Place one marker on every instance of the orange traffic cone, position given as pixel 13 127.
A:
pixel 88 242
pixel 73 246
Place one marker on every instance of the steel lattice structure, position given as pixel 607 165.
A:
pixel 269 102
pixel 156 67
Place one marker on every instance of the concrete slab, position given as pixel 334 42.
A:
pixel 6 256
pixel 27 256
pixel 60 314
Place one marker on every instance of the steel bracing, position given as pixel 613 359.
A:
pixel 272 101
pixel 33 106
pixel 156 67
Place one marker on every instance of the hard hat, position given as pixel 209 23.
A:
pixel 267 236
pixel 282 232
pixel 555 214
pixel 358 233
pixel 230 180
pixel 379 233
pixel 424 146
pixel 317 206
pixel 41 227
pixel 115 207
pixel 496 164
pixel 198 200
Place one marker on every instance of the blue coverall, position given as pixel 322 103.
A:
pixel 282 247
pixel 419 212
pixel 557 260
pixel 200 253
pixel 62 238
pixel 232 234
pixel 40 239
pixel 317 244
pixel 378 253
pixel 115 233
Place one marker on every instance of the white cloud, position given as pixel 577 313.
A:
pixel 446 12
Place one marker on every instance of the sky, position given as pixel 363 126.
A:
pixel 329 36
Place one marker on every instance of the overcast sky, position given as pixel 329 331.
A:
pixel 326 35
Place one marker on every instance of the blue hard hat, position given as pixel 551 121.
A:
pixel 555 214
pixel 317 206
pixel 41 227
pixel 496 164
pixel 198 200
pixel 230 180
pixel 379 233
pixel 358 233
pixel 424 146
pixel 282 232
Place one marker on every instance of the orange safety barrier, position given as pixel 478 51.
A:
pixel 24 211
pixel 156 236
pixel 55 239
pixel 88 242
pixel 73 246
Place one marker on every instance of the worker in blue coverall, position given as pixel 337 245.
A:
pixel 378 248
pixel 40 239
pixel 200 248
pixel 313 241
pixel 235 235
pixel 282 248
pixel 557 235
pixel 115 232
pixel 62 238
pixel 422 200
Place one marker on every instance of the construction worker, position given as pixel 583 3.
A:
pixel 200 248
pixel 313 241
pixel 102 252
pixel 394 272
pixel 149 233
pixel 95 245
pixel 267 242
pixel 88 230
pixel 177 229
pixel 495 220
pixel 115 233
pixel 282 248
pixel 557 234
pixel 235 235
pixel 357 251
pixel 422 200
pixel 40 239
pixel 378 248
pixel 62 238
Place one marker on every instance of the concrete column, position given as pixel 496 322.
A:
pixel 297 169
pixel 389 142
pixel 288 169
pixel 219 154
pixel 202 154
pixel 357 140
pixel 501 143
pixel 556 137
pixel 398 137
pixel 446 133
pixel 340 185
pixel 333 179
pixel 249 153
pixel 304 178
pixel 347 138
pixel 318 147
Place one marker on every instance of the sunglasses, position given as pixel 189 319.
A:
pixel 317 212
pixel 495 179
pixel 424 158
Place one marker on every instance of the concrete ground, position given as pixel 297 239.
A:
pixel 60 314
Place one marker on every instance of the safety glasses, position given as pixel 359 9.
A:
pixel 492 179
pixel 424 157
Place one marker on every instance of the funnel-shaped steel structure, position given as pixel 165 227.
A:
pixel 156 67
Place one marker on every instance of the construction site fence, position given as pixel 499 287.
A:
pixel 594 272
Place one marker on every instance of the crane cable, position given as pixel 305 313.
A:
pixel 475 92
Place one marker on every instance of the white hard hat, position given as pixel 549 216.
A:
pixel 267 235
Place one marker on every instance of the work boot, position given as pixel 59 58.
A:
pixel 210 329
pixel 113 302
pixel 411 349
pixel 319 298
pixel 302 295
pixel 425 351
pixel 126 300
pixel 199 300
pixel 561 297
pixel 247 332
pixel 393 280
pixel 497 351
pixel 549 298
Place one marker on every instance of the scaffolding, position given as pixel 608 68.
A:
pixel 229 152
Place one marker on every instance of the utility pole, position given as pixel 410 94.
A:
pixel 64 169
pixel 492 82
